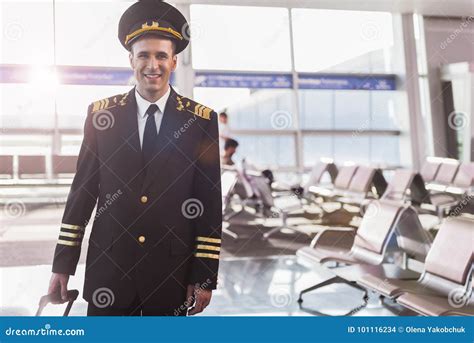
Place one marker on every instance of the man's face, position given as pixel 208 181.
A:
pixel 223 119
pixel 152 60
pixel 231 151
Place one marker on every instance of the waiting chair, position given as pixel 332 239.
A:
pixel 445 287
pixel 369 248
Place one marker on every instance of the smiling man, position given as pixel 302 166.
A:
pixel 155 240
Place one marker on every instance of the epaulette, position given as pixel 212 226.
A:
pixel 191 106
pixel 108 103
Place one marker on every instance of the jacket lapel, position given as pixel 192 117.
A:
pixel 171 122
pixel 131 141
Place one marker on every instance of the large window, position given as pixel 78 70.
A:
pixel 374 149
pixel 265 110
pixel 240 38
pixel 86 33
pixel 351 110
pixel 273 126
pixel 220 98
pixel 358 125
pixel 262 121
pixel 27 106
pixel 73 100
pixel 343 41
pixel 266 151
pixel 27 32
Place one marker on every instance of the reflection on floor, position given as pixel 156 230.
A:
pixel 256 277
pixel 247 287
pixel 270 287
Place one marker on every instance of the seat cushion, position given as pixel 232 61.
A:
pixel 441 199
pixel 389 287
pixel 386 271
pixel 325 254
pixel 432 305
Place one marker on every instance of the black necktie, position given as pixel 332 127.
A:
pixel 150 135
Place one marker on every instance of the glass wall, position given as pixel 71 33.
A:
pixel 85 35
pixel 364 126
pixel 342 41
pixel 240 38
pixel 357 125
pixel 27 29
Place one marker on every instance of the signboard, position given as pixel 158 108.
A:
pixel 355 82
pixel 243 80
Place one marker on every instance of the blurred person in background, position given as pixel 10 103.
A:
pixel 230 148
pixel 224 130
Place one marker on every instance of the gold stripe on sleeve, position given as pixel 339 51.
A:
pixel 208 240
pixel 71 227
pixel 199 254
pixel 208 247
pixel 68 243
pixel 72 235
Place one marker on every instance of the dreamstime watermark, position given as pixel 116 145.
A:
pixel 183 128
pixel 361 129
pixel 458 298
pixel 372 209
pixel 192 208
pixel 456 211
pixel 465 23
pixel 103 297
pixel 110 200
pixel 192 29
pixel 190 301
pixel 107 203
pixel 458 120
pixel 46 331
pixel 13 31
pixel 281 297
pixel 370 31
pixel 281 120
pixel 14 209
pixel 103 120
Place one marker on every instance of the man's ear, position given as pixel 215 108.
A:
pixel 175 62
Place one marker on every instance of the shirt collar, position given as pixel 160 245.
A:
pixel 143 104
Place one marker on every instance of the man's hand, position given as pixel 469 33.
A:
pixel 58 283
pixel 200 297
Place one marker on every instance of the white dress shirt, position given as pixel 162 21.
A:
pixel 142 106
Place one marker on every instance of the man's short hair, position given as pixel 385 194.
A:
pixel 230 143
pixel 223 114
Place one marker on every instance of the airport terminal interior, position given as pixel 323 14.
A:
pixel 346 141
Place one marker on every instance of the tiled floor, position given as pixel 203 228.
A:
pixel 255 278
pixel 248 287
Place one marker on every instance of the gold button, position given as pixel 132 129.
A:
pixel 141 239
pixel 144 199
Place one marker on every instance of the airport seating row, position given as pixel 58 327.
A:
pixel 444 286
pixel 33 169
pixel 434 273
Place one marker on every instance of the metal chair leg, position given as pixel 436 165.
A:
pixel 334 279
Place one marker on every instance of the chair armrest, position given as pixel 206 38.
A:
pixel 332 234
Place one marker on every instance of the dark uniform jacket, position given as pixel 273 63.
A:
pixel 157 229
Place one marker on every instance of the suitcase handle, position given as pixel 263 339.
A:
pixel 55 298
